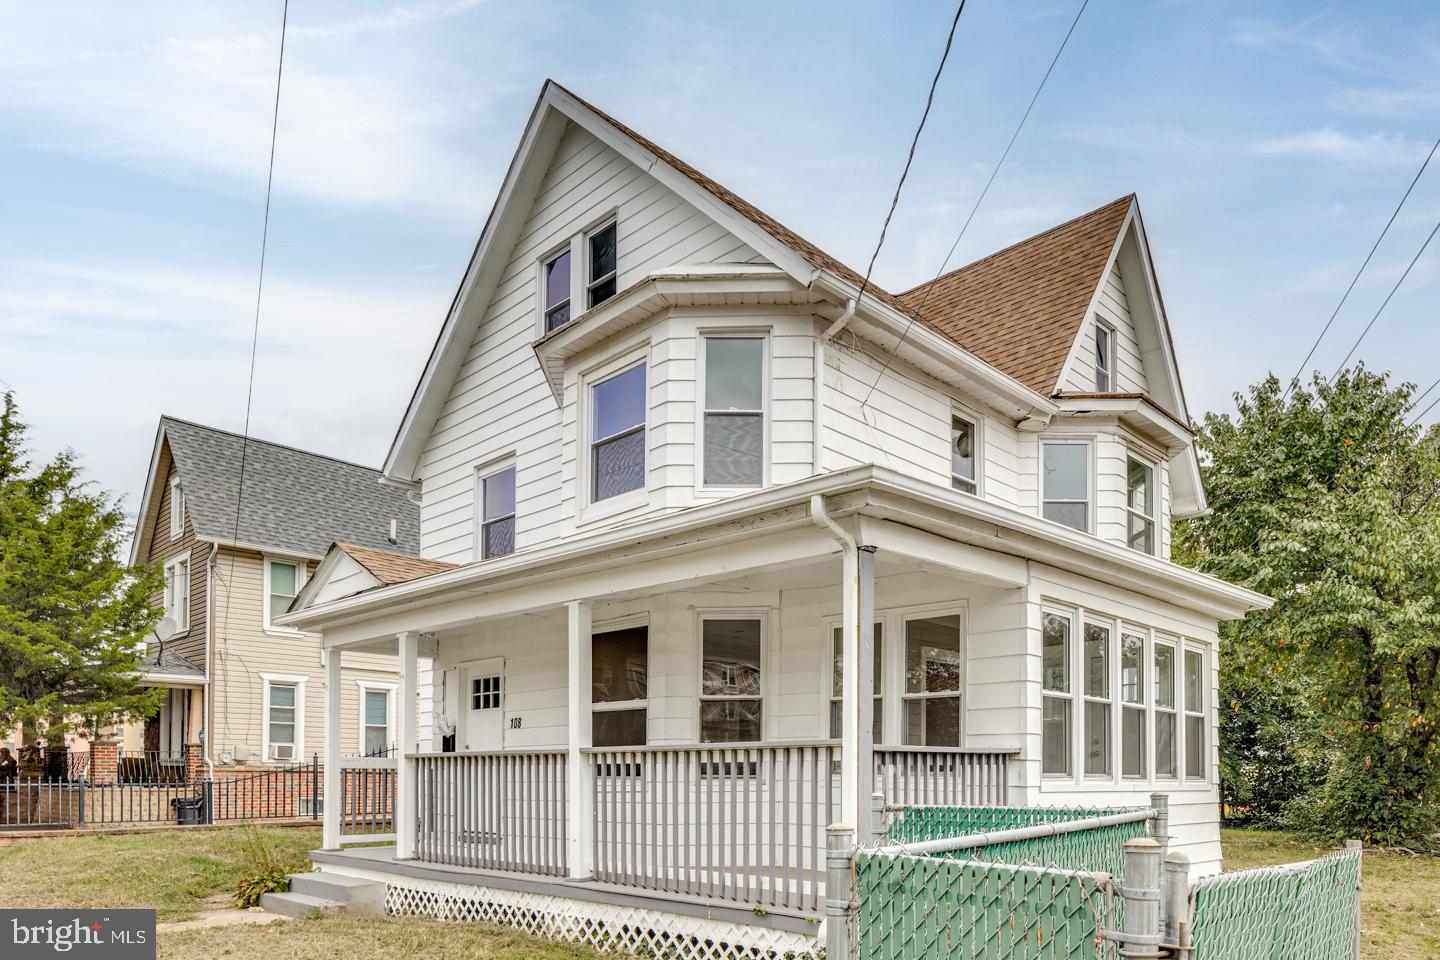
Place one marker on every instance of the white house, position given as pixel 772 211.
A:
pixel 721 545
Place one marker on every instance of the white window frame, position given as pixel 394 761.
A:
pixel 611 220
pixel 1110 625
pixel 569 246
pixel 485 472
pixel 1108 370
pixel 298 681
pixel 177 508
pixel 829 624
pixel 1153 518
pixel 761 614
pixel 177 611
pixel 1174 710
pixel 1070 615
pixel 1143 706
pixel 1203 713
pixel 740 333
pixel 978 440
pixel 1063 440
pixel 591 508
pixel 300 578
pixel 375 686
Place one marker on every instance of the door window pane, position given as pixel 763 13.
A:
pixel 962 455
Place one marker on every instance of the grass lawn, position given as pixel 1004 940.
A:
pixel 1399 894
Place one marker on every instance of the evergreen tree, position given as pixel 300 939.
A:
pixel 72 618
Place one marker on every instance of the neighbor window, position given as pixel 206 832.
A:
pixel 282 580
pixel 177 509
pixel 837 663
pixel 1165 745
pixel 1140 505
pixel 1195 755
pixel 601 249
pixel 962 455
pixel 497 514
pixel 555 278
pixel 282 701
pixel 1104 358
pixel 730 674
pixel 177 591
pixel 934 680
pixel 619 686
pixel 734 424
pixel 375 722
pixel 1058 699
pixel 1096 664
pixel 617 434
pixel 1067 483
pixel 1132 704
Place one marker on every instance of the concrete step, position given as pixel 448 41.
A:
pixel 297 904
pixel 357 895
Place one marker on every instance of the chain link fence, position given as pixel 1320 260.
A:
pixel 1097 849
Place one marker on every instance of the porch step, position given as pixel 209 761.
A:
pixel 297 904
pixel 327 892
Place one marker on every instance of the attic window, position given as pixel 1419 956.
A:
pixel 1104 358
pixel 556 274
pixel 601 246
pixel 177 509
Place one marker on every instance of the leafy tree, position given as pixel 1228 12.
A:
pixel 1328 502
pixel 72 618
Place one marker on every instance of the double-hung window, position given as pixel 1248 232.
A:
pixel 617 434
pixel 1132 703
pixel 177 509
pixel 177 591
pixel 1140 505
pixel 282 584
pixel 375 705
pixel 734 424
pixel 837 665
pixel 1095 661
pixel 1066 482
pixel 1195 754
pixel 283 717
pixel 1059 701
pixel 1104 358
pixel 619 686
pixel 963 450
pixel 934 681
pixel 600 248
pixel 731 704
pixel 497 514
pixel 1165 742
pixel 555 278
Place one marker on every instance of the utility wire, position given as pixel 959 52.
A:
pixel 1386 301
pixel 1353 280
pixel 930 288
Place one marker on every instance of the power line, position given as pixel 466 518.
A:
pixel 1386 301
pixel 1353 280
pixel 920 311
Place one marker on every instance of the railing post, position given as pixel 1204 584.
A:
pixel 1175 898
pixel 1359 846
pixel 839 860
pixel 1140 889
pixel 406 793
pixel 579 776
pixel 330 830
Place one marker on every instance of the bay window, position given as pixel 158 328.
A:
pixel 1066 483
pixel 934 681
pixel 1165 733
pixel 1132 704
pixel 1195 753
pixel 1140 505
pixel 1058 699
pixel 617 434
pixel 1096 666
pixel 619 687
pixel 837 663
pixel 733 423
pixel 731 704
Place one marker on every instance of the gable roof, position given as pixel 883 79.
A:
pixel 294 501
pixel 390 567
pixel 1020 308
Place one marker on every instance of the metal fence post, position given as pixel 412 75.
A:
pixel 315 794
pixel 880 829
pixel 1175 901
pixel 839 855
pixel 1140 889
pixel 1160 825
pixel 1357 845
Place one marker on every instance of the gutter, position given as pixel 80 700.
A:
pixel 839 323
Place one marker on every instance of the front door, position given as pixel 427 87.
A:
pixel 482 689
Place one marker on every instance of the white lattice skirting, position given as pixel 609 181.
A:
pixel 608 928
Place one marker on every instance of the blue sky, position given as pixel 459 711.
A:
pixel 1268 143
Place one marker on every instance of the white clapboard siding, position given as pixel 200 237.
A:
pixel 1114 309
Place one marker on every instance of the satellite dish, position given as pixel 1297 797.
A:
pixel 165 629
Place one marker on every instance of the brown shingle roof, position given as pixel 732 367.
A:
pixel 1021 308
pixel 390 568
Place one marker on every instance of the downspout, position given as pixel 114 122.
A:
pixel 823 519
pixel 839 322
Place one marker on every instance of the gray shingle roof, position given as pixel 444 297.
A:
pixel 293 500
pixel 169 663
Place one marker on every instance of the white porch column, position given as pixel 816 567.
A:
pixel 580 783
pixel 406 794
pixel 332 805
pixel 857 707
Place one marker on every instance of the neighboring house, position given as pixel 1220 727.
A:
pixel 726 547
pixel 249 689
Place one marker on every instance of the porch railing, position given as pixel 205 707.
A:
pixel 497 811
pixel 941 775
pixel 367 798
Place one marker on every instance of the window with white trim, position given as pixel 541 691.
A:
pixel 1166 745
pixel 1140 505
pixel 934 681
pixel 555 288
pixel 619 686
pixel 731 674
pixel 1095 663
pixel 1133 745
pixel 284 717
pixel 964 454
pixel 376 719
pixel 617 434
pixel 1104 357
pixel 1059 700
pixel 1195 753
pixel 177 508
pixel 497 514
pixel 1065 465
pixel 837 666
pixel 176 572
pixel 734 414
pixel 282 585
pixel 600 252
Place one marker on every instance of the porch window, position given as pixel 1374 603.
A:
pixel 1067 483
pixel 837 663
pixel 1195 755
pixel 963 449
pixel 734 424
pixel 1104 358
pixel 601 286
pixel 497 514
pixel 1097 700
pixel 1058 699
pixel 1140 505
pixel 730 680
pixel 619 687
pixel 934 678
pixel 177 591
pixel 1132 704
pixel 282 583
pixel 617 434
pixel 375 722
pixel 555 277
pixel 1165 751
pixel 177 509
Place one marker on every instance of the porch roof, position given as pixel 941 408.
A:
pixel 769 528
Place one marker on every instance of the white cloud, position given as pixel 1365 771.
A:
pixel 1376 149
